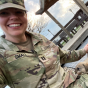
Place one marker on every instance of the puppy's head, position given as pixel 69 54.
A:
pixel 82 67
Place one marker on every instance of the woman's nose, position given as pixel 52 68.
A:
pixel 13 16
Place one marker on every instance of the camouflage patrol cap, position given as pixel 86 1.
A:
pixel 19 4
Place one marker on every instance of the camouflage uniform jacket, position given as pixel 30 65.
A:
pixel 39 68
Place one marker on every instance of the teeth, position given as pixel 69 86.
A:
pixel 14 25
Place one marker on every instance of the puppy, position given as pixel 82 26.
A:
pixel 81 68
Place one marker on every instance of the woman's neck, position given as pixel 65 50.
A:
pixel 16 39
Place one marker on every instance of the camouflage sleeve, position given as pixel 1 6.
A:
pixel 2 84
pixel 4 75
pixel 67 55
pixel 70 56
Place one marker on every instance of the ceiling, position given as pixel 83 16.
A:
pixel 45 5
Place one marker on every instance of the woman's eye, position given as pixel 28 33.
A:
pixel 20 13
pixel 4 14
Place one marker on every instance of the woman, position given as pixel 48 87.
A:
pixel 29 60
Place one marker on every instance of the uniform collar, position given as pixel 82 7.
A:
pixel 7 45
pixel 36 38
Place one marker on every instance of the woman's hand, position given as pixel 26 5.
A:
pixel 86 48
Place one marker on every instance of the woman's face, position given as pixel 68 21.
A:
pixel 13 22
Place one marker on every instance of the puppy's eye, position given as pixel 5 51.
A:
pixel 78 69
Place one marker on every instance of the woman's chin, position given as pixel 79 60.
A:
pixel 17 34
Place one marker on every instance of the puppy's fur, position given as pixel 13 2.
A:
pixel 82 68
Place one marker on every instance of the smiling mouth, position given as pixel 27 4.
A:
pixel 14 25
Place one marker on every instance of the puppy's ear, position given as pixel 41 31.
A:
pixel 86 66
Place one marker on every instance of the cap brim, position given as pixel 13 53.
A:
pixel 11 5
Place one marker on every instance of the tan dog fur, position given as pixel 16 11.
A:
pixel 82 68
